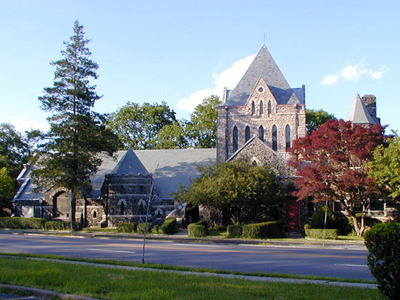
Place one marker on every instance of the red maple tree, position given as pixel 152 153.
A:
pixel 331 166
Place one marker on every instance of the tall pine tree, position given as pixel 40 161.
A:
pixel 77 134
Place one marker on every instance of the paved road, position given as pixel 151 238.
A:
pixel 230 257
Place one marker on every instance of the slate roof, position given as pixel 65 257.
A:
pixel 169 168
pixel 358 113
pixel 264 66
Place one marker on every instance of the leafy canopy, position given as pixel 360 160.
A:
pixel 315 118
pixel 244 193
pixel 331 166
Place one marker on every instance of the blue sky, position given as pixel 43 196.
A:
pixel 182 51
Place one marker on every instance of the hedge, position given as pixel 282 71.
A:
pixel 22 223
pixel 195 230
pixel 169 226
pixel 126 227
pixel 61 225
pixel 330 234
pixel 142 226
pixel 263 230
pixel 234 231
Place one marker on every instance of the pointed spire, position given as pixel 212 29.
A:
pixel 263 66
pixel 129 164
pixel 358 113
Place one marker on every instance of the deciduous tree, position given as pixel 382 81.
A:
pixel 244 193
pixel 77 134
pixel 137 126
pixel 171 136
pixel 315 118
pixel 331 166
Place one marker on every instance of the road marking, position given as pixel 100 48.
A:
pixel 350 265
pixel 105 250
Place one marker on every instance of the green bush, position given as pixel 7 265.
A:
pixel 195 230
pixel 169 226
pixel 127 227
pixel 317 233
pixel 22 223
pixel 234 231
pixel 318 218
pixel 141 228
pixel 383 244
pixel 263 230
pixel 61 225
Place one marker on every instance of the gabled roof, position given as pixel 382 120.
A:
pixel 264 66
pixel 129 164
pixel 358 113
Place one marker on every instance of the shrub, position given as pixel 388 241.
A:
pixel 195 230
pixel 330 234
pixel 127 227
pixel 263 230
pixel 141 228
pixel 169 226
pixel 383 244
pixel 234 231
pixel 318 218
pixel 22 223
pixel 61 225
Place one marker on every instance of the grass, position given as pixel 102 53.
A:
pixel 112 283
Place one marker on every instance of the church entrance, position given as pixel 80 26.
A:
pixel 292 215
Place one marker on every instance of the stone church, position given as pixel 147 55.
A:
pixel 257 122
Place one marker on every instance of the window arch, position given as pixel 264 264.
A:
pixel 235 139
pixel 122 208
pixel 288 140
pixel 269 108
pixel 247 134
pixel 274 138
pixel 253 108
pixel 261 107
pixel 261 133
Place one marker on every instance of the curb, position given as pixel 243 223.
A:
pixel 45 293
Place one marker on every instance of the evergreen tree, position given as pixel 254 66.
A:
pixel 77 134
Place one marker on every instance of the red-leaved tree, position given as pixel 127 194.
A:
pixel 331 166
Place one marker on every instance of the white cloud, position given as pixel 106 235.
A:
pixel 354 72
pixel 22 125
pixel 228 78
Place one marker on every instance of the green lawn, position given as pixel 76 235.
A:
pixel 112 283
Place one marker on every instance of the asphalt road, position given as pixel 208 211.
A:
pixel 330 262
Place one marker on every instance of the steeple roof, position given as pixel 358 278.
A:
pixel 263 66
pixel 129 164
pixel 358 113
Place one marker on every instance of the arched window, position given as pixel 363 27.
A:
pixel 122 208
pixel 288 140
pixel 261 133
pixel 261 107
pixel 94 214
pixel 253 108
pixel 247 134
pixel 235 139
pixel 274 138
pixel 269 108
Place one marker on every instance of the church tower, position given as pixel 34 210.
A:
pixel 262 105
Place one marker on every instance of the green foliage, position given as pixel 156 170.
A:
pixel 201 130
pixel 385 167
pixel 318 218
pixel 234 231
pixel 61 225
pixel 127 227
pixel 143 227
pixel 195 230
pixel 77 134
pixel 383 244
pixel 330 234
pixel 169 226
pixel 263 230
pixel 7 189
pixel 316 118
pixel 137 126
pixel 171 136
pixel 22 223
pixel 244 193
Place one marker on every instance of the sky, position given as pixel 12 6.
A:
pixel 181 51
